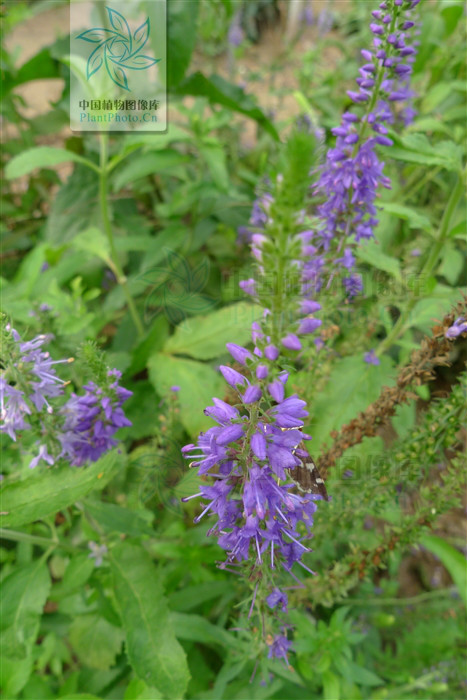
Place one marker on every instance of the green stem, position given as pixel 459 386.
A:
pixel 428 267
pixel 421 598
pixel 17 536
pixel 107 226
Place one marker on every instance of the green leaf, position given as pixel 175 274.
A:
pixel 138 690
pixel 181 18
pixel 41 157
pixel 206 337
pixel 198 384
pixel 143 164
pixel 153 651
pixel 372 254
pixel 451 12
pixel 431 310
pixel 413 218
pixel 415 148
pixel 353 384
pixel 215 157
pixel 95 641
pixel 77 572
pixel 114 518
pixel 44 493
pixel 197 629
pixel 192 596
pixel 219 91
pixel 451 558
pixel 94 242
pixel 452 264
pixel 24 594
pixel 14 675
pixel 331 686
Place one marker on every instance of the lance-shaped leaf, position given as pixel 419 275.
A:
pixel 138 62
pixel 116 73
pixel 153 650
pixel 97 35
pixel 140 36
pixel 95 61
pixel 120 24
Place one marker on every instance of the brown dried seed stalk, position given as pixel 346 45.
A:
pixel 434 352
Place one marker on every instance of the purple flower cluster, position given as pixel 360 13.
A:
pixel 38 383
pixel 353 172
pixel 81 429
pixel 92 420
pixel 248 454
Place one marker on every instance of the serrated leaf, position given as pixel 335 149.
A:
pixel 95 641
pixel 451 558
pixel 205 338
pixel 153 651
pixel 198 384
pixel 43 493
pixel 24 594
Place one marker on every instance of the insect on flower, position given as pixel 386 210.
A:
pixel 306 476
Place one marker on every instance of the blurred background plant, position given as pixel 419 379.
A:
pixel 137 243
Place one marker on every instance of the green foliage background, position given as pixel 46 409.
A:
pixel 160 295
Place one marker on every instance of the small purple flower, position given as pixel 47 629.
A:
pixel 231 376
pixel 371 358
pixel 238 353
pixel 280 648
pixel 175 388
pixel 291 342
pixel 43 454
pixel 271 352
pixel 277 598
pixel 252 394
pixel 458 327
